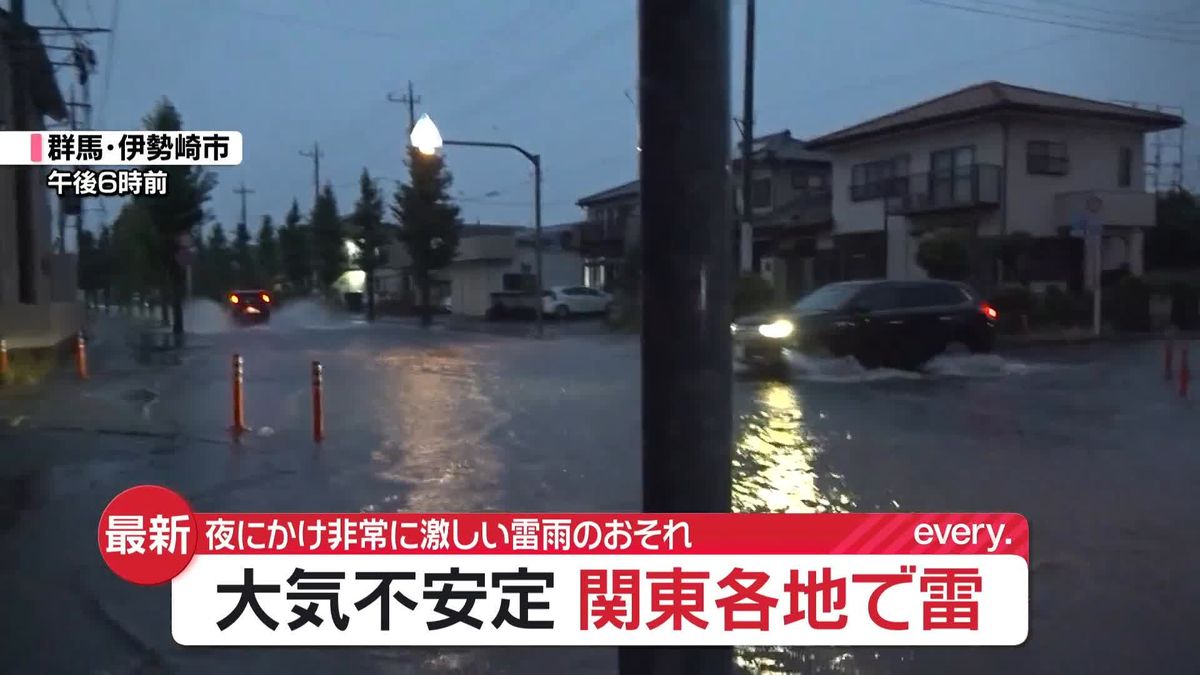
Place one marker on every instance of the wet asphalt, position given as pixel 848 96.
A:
pixel 1087 441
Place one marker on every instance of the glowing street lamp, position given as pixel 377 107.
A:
pixel 426 138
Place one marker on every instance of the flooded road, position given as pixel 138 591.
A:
pixel 1088 443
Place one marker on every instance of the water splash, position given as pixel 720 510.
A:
pixel 202 316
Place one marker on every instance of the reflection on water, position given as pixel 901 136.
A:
pixel 778 468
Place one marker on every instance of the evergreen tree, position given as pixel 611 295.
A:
pixel 244 264
pixel 295 250
pixel 369 235
pixel 177 212
pixel 268 253
pixel 218 264
pixel 328 240
pixel 429 224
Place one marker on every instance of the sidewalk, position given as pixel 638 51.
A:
pixel 115 399
pixel 1083 336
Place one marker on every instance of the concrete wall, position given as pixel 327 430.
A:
pixel 559 268
pixel 1093 151
pixel 472 284
pixel 865 216
pixel 41 325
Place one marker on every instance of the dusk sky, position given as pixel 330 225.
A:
pixel 556 77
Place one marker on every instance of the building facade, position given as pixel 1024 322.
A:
pixel 38 305
pixel 989 161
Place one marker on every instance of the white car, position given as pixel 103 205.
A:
pixel 563 301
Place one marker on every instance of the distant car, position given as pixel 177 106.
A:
pixel 564 301
pixel 900 324
pixel 251 306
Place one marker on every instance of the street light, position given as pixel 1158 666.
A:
pixel 426 138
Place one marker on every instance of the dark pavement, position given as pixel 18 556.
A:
pixel 1088 442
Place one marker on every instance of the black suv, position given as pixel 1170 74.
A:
pixel 900 324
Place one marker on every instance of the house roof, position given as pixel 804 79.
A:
pixel 782 146
pixel 43 87
pixel 990 97
pixel 631 189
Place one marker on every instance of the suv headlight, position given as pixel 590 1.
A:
pixel 777 329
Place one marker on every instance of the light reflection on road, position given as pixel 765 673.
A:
pixel 778 468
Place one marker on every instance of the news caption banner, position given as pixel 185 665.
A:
pixel 370 579
pixel 78 151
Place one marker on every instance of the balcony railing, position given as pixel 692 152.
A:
pixel 973 186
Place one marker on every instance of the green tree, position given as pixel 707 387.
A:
pixel 1174 243
pixel 294 250
pixel 135 244
pixel 945 255
pixel 105 266
pixel 244 264
pixel 328 243
pixel 429 224
pixel 86 270
pixel 369 235
pixel 218 263
pixel 268 253
pixel 179 211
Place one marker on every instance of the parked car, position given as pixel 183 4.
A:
pixel 250 306
pixel 563 301
pixel 899 324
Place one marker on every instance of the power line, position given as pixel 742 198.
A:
pixel 1119 24
pixel 1096 29
pixel 1170 17
pixel 315 155
pixel 411 101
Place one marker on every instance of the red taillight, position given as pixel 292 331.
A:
pixel 266 298
pixel 989 311
pixel 233 299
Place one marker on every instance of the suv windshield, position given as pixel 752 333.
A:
pixel 827 298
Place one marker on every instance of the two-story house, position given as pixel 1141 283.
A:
pixel 611 225
pixel 790 203
pixel 791 207
pixel 991 160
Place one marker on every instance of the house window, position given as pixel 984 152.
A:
pixel 1125 168
pixel 760 193
pixel 808 180
pixel 951 175
pixel 874 180
pixel 1047 157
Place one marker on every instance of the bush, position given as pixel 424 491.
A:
pixel 1012 302
pixel 944 255
pixel 1058 307
pixel 1131 305
pixel 753 294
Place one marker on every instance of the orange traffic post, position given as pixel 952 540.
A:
pixel 1168 358
pixel 4 361
pixel 239 416
pixel 81 356
pixel 317 407
pixel 1185 374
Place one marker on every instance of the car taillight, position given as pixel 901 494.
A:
pixel 233 299
pixel 265 297
pixel 989 311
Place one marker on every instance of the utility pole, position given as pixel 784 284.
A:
pixel 243 191
pixel 412 103
pixel 687 272
pixel 26 253
pixel 746 228
pixel 315 155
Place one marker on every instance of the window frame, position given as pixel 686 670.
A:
pixel 1042 160
pixel 1125 166
pixel 890 178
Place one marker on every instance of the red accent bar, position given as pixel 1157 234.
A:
pixel 35 147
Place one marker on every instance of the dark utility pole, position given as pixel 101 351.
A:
pixel 242 191
pixel 412 102
pixel 687 436
pixel 22 56
pixel 315 155
pixel 745 231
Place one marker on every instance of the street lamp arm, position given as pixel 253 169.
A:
pixel 487 144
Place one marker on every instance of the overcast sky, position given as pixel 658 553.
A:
pixel 556 76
